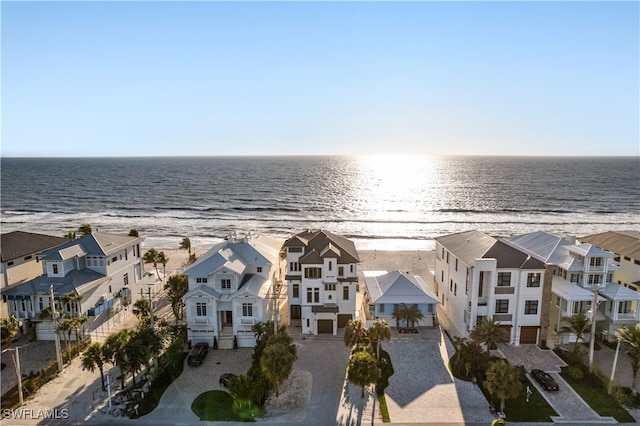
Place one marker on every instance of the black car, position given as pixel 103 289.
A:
pixel 224 379
pixel 198 353
pixel 545 380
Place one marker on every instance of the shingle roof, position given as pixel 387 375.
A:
pixel 510 258
pixel 467 246
pixel 626 243
pixel 96 244
pixel 16 244
pixel 320 240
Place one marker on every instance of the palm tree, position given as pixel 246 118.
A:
pixel 503 381
pixel 186 245
pixel 355 334
pixel 85 229
pixel 458 344
pixel 9 329
pixel 66 328
pixel 114 351
pixel 141 308
pixel 631 337
pixel 176 287
pixel 76 324
pixel 490 333
pixel 94 357
pixel 70 235
pixel 151 256
pixel 377 332
pixel 242 390
pixel 577 324
pixel 163 259
pixel 72 298
pixel 408 314
pixel 363 370
pixel 277 361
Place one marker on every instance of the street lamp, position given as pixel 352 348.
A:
pixel 16 363
pixel 615 363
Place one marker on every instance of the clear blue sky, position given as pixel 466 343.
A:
pixel 213 78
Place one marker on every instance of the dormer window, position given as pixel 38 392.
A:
pixel 596 261
pixel 225 284
pixel 201 280
pixel 54 267
pixel 259 269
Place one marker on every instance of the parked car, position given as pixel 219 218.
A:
pixel 198 353
pixel 545 380
pixel 224 379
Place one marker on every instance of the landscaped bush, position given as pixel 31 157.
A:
pixel 386 371
pixel 575 373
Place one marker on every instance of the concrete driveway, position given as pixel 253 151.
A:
pixel 422 390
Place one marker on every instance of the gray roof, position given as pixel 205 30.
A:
pixel 399 287
pixel 615 291
pixel 320 240
pixel 625 243
pixel 96 244
pixel 510 258
pixel 73 281
pixel 467 246
pixel 541 245
pixel 16 244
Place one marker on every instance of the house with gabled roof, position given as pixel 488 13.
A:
pixel 626 247
pixel 19 259
pixel 387 291
pixel 232 287
pixel 322 281
pixel 582 276
pixel 96 266
pixel 479 277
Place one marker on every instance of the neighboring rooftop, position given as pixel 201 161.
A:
pixel 398 287
pixel 16 244
pixel 324 242
pixel 467 246
pixel 508 257
pixel 625 243
pixel 96 244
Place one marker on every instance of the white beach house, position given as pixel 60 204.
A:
pixel 480 277
pixel 322 279
pixel 582 275
pixel 96 266
pixel 232 287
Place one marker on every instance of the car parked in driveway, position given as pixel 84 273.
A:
pixel 198 354
pixel 545 380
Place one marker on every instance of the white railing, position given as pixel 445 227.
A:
pixel 104 329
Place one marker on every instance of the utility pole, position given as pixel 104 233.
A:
pixel 16 363
pixel 594 312
pixel 613 369
pixel 150 309
pixel 54 317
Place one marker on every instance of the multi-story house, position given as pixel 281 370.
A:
pixel 19 259
pixel 481 277
pixel 96 267
pixel 322 279
pixel 232 287
pixel 626 247
pixel 582 276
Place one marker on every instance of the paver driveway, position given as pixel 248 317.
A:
pixel 423 391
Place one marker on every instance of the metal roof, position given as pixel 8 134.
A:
pixel 467 246
pixel 74 281
pixel 615 291
pixel 96 244
pixel 399 287
pixel 572 291
pixel 16 244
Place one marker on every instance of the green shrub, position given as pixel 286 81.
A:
pixel 384 409
pixel 575 373
pixel 386 371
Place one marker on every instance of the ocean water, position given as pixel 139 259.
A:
pixel 380 202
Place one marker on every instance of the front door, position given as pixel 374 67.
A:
pixel 228 318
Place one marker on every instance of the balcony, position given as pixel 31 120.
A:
pixel 248 321
pixel 201 320
pixel 505 290
pixel 502 317
pixel 330 279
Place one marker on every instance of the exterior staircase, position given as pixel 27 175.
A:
pixel 226 338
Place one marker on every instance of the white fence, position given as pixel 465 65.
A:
pixel 104 329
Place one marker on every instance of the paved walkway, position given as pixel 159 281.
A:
pixel 567 403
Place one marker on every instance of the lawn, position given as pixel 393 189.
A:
pixel 591 389
pixel 214 405
pixel 536 410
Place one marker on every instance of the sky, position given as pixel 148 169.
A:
pixel 320 78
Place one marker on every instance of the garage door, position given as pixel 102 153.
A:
pixel 325 326
pixel 528 335
pixel 343 319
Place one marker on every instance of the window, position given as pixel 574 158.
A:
pixel 296 290
pixel 447 257
pixel 450 285
pixel 126 254
pixel 480 284
pixel 309 295
pixel 595 279
pixel 624 307
pixel 595 261
pixel 294 267
pixel 456 263
pixel 316 295
pixel 636 261
pixel 225 283
pixel 295 249
pixel 201 280
pixel 55 268
pixel 533 279
pixel 313 273
pixel 351 268
pixel 345 292
pixel 531 307
pixel 609 278
pixel 381 308
pixel 114 259
pixel 340 271
pixel 441 276
pixel 330 265
pixel 628 259
pixel 125 278
pixel 259 269
pixel 617 258
pixel 504 279
pixel 442 253
pixel 502 306
pixel 574 278
pixel 329 287
pixel 247 309
pixel 9 263
pixel 455 289
pixel 201 309
pixel 28 257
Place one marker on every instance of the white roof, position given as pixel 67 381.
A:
pixel 572 291
pixel 398 287
pixel 615 291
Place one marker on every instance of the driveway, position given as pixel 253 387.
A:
pixel 422 390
